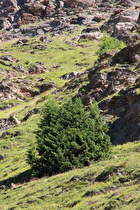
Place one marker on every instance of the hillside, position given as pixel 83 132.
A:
pixel 110 184
pixel 62 49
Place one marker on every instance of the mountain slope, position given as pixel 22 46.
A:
pixel 62 55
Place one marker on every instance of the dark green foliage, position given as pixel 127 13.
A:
pixel 68 136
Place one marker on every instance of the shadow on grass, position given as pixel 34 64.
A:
pixel 20 178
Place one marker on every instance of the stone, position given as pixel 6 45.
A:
pixel 138 21
pixel 45 39
pixel 126 3
pixel 12 119
pixel 5 24
pixel 46 86
pixel 35 9
pixel 22 41
pixel 91 36
pixel 122 27
pixel 27 18
pixel 1 157
pixel 70 75
pixel 129 54
pixel 55 23
pixel 39 47
pixel 28 91
pixel 4 87
pixel 100 16
pixel 91 30
pixel 8 58
pixel 30 113
pixel 38 68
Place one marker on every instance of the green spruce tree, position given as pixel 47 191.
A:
pixel 68 136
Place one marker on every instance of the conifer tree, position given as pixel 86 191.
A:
pixel 68 136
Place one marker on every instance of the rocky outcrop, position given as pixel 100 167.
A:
pixel 8 9
pixel 130 54
pixel 102 85
pixel 91 33
pixel 21 88
pixel 127 127
pixel 117 91
pixel 121 25
pixel 60 16
pixel 45 86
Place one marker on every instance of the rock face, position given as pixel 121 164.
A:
pixel 117 92
pixel 121 25
pixel 128 54
pixel 28 11
pixel 61 15
pixel 8 9
pixel 127 127
pixel 104 84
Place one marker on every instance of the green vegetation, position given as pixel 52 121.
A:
pixel 79 188
pixel 109 44
pixel 68 137
pixel 106 184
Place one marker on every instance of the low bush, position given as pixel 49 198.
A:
pixel 109 44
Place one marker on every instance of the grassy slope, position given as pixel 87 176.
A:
pixel 80 188
pixel 76 189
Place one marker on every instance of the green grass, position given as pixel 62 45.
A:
pixel 78 189
pixel 109 44
pixel 62 55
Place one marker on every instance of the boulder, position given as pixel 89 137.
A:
pixel 13 120
pixel 46 86
pixel 122 27
pixel 45 39
pixel 26 18
pixel 79 3
pixel 126 3
pixel 35 9
pixel 8 8
pixel 100 16
pixel 38 68
pixel 129 54
pixel 6 122
pixel 70 75
pixel 5 24
pixel 138 21
pixel 1 157
pixel 28 91
pixel 30 113
pixel 9 58
pixel 91 36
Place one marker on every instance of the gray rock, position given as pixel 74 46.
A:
pixel 8 58
pixel 130 54
pixel 70 75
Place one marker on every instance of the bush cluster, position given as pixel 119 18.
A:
pixel 109 44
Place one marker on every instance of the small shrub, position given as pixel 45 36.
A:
pixel 109 44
